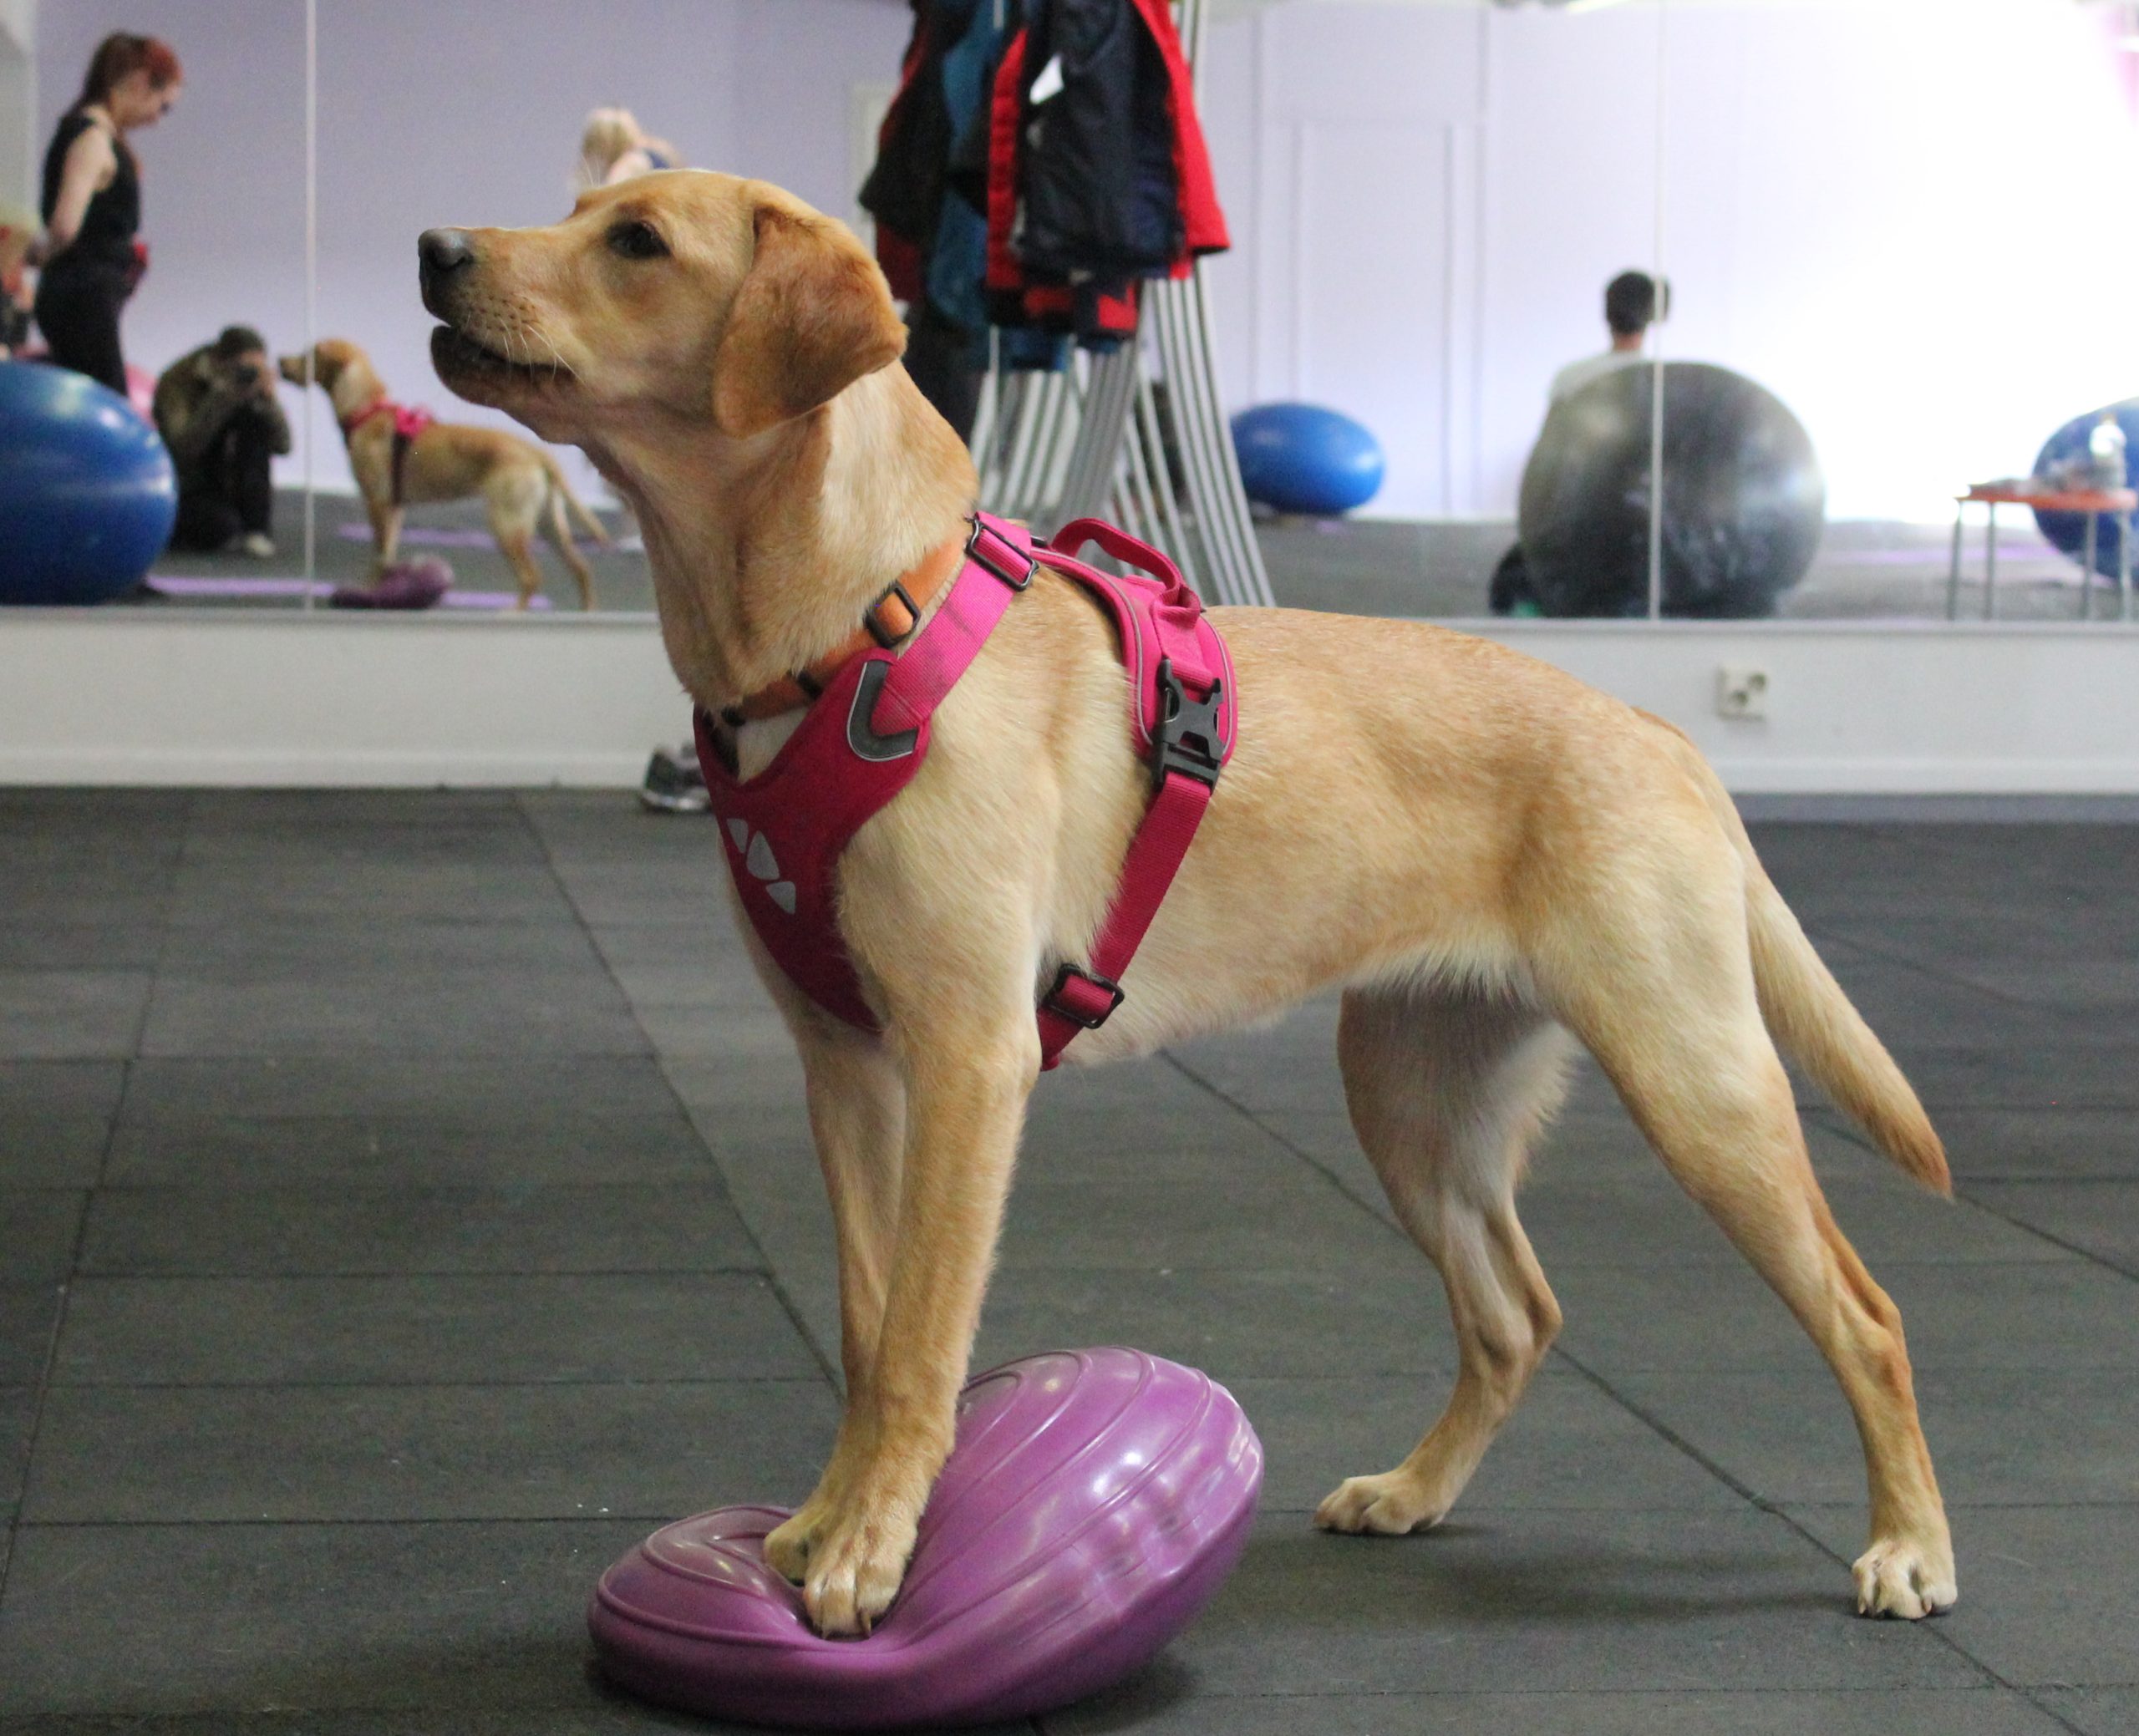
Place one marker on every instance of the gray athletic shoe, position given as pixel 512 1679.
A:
pixel 673 784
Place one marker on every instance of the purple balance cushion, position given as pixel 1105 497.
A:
pixel 413 584
pixel 1093 1502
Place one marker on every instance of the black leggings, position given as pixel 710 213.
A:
pixel 78 311
pixel 233 492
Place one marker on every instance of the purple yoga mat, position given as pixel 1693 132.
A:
pixel 236 588
pixel 1093 1502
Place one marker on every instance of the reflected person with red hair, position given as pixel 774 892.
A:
pixel 92 203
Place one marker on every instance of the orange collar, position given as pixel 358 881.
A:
pixel 886 622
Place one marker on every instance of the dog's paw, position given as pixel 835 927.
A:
pixel 1387 1505
pixel 853 1572
pixel 788 1545
pixel 1905 1579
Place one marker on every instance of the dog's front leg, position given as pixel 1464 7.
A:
pixel 857 1115
pixel 966 1092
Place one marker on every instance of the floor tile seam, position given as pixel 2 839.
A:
pixel 1886 954
pixel 554 1383
pixel 1777 1510
pixel 2093 1257
pixel 1301 1152
pixel 825 1363
pixel 49 1364
pixel 385 1273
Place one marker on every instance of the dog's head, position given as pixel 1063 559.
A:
pixel 323 364
pixel 696 295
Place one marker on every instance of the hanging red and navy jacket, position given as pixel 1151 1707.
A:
pixel 1098 172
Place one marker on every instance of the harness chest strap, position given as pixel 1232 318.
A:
pixel 409 422
pixel 866 733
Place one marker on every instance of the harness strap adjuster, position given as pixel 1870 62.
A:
pixel 979 556
pixel 880 631
pixel 1185 737
pixel 1077 996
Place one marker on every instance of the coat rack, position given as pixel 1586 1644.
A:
pixel 1139 436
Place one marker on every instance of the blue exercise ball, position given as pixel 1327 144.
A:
pixel 2068 530
pixel 1301 458
pixel 87 493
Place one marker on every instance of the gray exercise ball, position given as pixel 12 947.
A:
pixel 1744 501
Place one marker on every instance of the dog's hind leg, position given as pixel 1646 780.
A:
pixel 560 532
pixel 1665 998
pixel 518 548
pixel 1448 1091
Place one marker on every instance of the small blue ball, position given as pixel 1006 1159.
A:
pixel 1301 458
pixel 87 491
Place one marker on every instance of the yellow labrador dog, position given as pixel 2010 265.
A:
pixel 1493 861
pixel 522 486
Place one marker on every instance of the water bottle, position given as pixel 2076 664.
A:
pixel 2105 448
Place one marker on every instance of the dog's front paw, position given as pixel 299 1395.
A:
pixel 855 1569
pixel 1905 1579
pixel 1388 1506
pixel 790 1544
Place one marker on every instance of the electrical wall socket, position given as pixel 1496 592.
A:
pixel 1741 691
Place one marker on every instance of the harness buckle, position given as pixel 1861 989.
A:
pixel 1016 582
pixel 1185 738
pixel 884 638
pixel 1083 1012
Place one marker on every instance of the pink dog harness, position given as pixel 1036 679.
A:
pixel 409 422
pixel 867 734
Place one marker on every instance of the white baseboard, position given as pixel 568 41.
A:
pixel 166 697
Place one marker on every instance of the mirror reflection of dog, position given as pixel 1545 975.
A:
pixel 1494 863
pixel 402 458
pixel 216 410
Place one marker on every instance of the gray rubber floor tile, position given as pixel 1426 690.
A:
pixel 18 1411
pixel 27 1314
pixel 2051 1144
pixel 2094 1710
pixel 267 1332
pixel 1999 1437
pixel 106 945
pixel 506 1091
pixel 1568 1445
pixel 1385 1318
pixel 688 1227
pixel 501 987
pixel 430 1617
pixel 167 1454
pixel 328 887
pixel 2048 1597
pixel 55 1120
pixel 1592 1602
pixel 38 1229
pixel 71 1015
pixel 301 814
pixel 2023 1076
pixel 457 1148
pixel 1283 1223
pixel 2102 1217
pixel 1920 1001
pixel 606 1713
pixel 2065 1313
pixel 1168 1701
pixel 627 893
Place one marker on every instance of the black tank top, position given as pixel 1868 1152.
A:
pixel 106 236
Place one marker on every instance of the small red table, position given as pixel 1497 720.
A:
pixel 2096 503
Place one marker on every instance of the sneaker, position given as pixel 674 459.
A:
pixel 258 545
pixel 675 785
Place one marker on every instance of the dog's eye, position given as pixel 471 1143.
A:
pixel 637 241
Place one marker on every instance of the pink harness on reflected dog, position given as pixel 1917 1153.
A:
pixel 866 735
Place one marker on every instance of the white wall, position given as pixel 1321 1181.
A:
pixel 1905 216
pixel 18 100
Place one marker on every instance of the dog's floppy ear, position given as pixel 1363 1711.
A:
pixel 813 316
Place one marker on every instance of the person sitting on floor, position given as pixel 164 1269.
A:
pixel 216 410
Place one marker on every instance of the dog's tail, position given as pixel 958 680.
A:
pixel 1810 1016
pixel 561 493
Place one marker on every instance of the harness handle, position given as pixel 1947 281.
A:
pixel 1128 549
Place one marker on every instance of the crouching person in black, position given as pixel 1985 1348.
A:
pixel 217 412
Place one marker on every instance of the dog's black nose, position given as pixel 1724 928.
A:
pixel 443 251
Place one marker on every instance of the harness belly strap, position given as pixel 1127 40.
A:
pixel 866 735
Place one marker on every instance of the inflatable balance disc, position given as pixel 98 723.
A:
pixel 1093 1502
